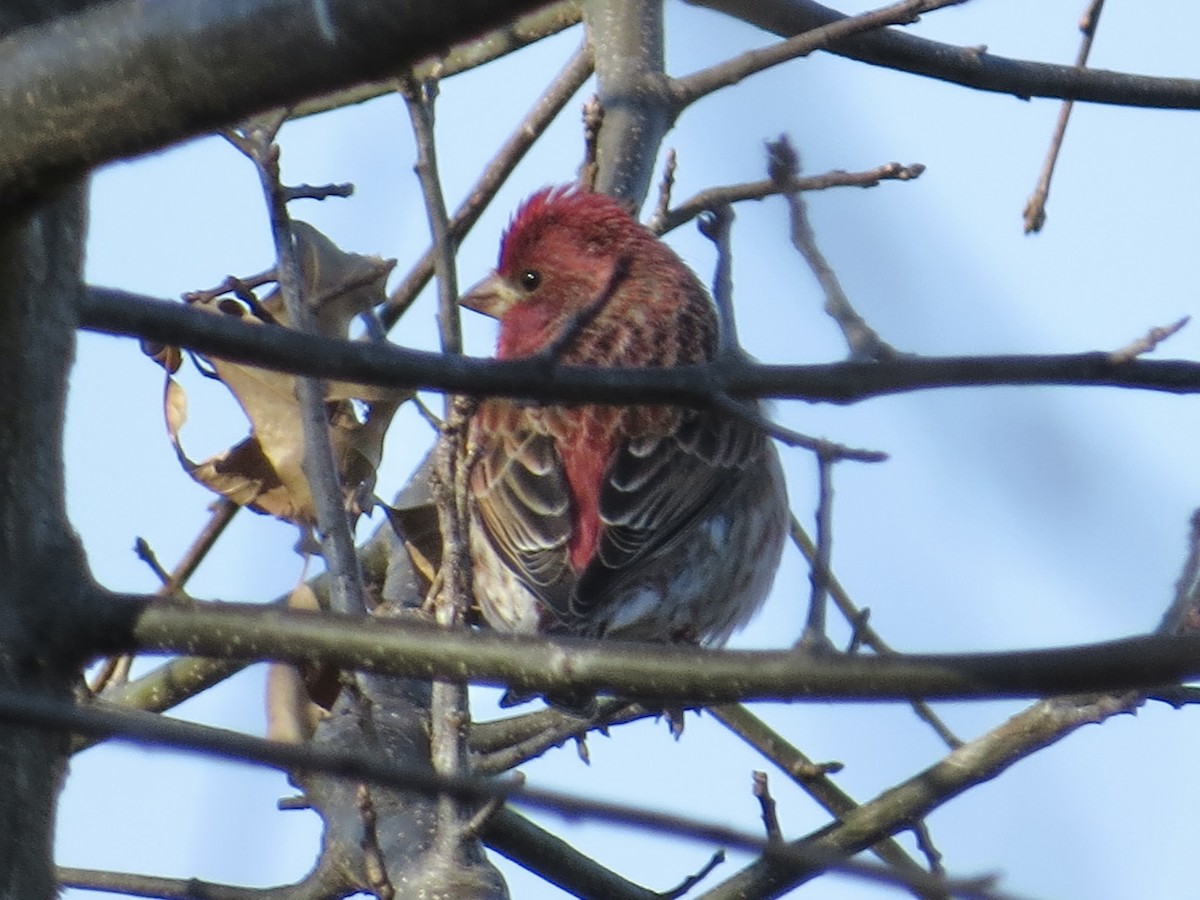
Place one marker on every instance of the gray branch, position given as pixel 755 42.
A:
pixel 126 77
pixel 970 67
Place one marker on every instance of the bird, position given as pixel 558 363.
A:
pixel 645 523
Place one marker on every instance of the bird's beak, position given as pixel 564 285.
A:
pixel 493 296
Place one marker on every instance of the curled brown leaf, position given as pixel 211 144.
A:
pixel 265 471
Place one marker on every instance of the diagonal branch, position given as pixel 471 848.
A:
pixel 1035 209
pixel 690 88
pixel 512 36
pixel 224 744
pixel 346 593
pixel 561 89
pixel 968 66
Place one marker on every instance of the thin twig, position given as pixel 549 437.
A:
pixel 487 810
pixel 925 842
pixel 863 342
pixel 146 554
pixel 419 97
pixel 865 634
pixel 512 36
pixel 1035 209
pixel 240 287
pixel 685 886
pixel 1176 696
pixel 814 637
pixel 257 141
pixel 317 191
pixel 576 71
pixel 1183 615
pixel 759 190
pixel 662 206
pixel 812 777
pixel 449 711
pixel 116 669
pixel 564 728
pixel 716 226
pixel 690 88
pixel 1147 343
pixel 766 805
pixel 593 118
pixel 820 446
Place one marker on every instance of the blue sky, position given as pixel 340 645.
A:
pixel 1004 518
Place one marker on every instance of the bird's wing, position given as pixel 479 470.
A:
pixel 655 488
pixel 524 504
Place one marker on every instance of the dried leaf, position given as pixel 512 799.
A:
pixel 264 472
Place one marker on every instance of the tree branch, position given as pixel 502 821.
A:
pixel 111 311
pixel 688 89
pixel 544 110
pixel 651 673
pixel 634 93
pixel 967 66
pixel 359 766
pixel 125 77
pixel 972 764
pixel 513 35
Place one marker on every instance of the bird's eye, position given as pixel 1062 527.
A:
pixel 530 279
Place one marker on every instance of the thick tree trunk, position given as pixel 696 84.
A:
pixel 42 575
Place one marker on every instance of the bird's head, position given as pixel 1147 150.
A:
pixel 557 255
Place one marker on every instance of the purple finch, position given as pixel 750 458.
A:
pixel 642 523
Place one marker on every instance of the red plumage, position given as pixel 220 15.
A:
pixel 649 523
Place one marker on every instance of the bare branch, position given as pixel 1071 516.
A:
pixel 783 165
pixel 671 673
pixel 1035 208
pixel 689 89
pixel 968 66
pixel 449 711
pixel 514 836
pixel 814 639
pixel 715 226
pixel 576 71
pixel 1148 342
pixel 863 633
pixel 974 763
pixel 564 727
pixel 155 730
pixel 110 311
pixel 967 765
pixel 759 190
pixel 191 888
pixel 627 41
pixel 509 38
pixel 121 78
pixel 762 793
pixel 813 778
pixel 257 141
